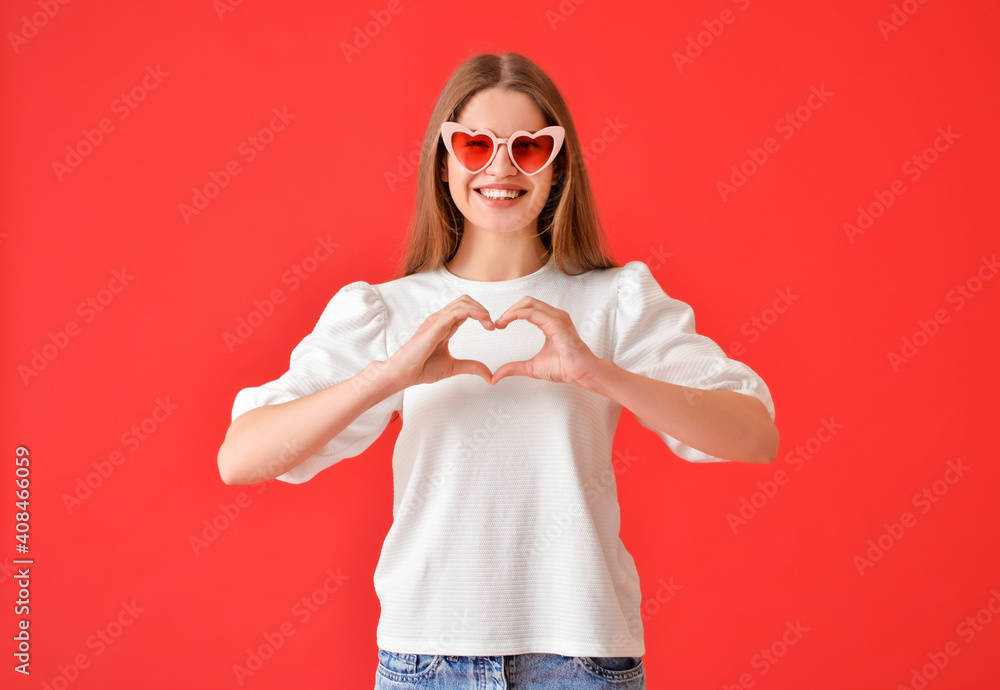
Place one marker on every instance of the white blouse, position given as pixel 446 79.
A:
pixel 505 534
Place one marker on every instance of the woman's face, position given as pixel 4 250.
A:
pixel 503 113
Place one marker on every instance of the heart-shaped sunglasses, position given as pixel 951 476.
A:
pixel 530 153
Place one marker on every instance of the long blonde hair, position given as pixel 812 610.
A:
pixel 568 223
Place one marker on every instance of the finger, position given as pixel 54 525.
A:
pixel 482 310
pixel 529 301
pixel 481 313
pixel 482 316
pixel 510 369
pixel 454 329
pixel 486 321
pixel 449 322
pixel 474 367
pixel 548 322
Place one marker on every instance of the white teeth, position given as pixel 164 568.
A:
pixel 499 193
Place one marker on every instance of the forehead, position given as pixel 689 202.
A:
pixel 502 112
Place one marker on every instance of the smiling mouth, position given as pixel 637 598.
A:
pixel 504 194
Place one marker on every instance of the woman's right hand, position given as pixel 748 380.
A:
pixel 425 357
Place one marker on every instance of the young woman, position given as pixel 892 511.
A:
pixel 508 347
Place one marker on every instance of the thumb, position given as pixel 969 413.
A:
pixel 474 367
pixel 510 369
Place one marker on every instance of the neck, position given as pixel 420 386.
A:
pixel 492 256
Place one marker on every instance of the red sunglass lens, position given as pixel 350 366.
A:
pixel 472 152
pixel 532 154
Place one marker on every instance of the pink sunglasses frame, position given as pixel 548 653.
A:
pixel 558 134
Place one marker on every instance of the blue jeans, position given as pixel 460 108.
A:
pixel 401 671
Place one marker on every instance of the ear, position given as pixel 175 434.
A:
pixel 444 169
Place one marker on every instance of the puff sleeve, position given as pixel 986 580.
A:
pixel 654 335
pixel 350 335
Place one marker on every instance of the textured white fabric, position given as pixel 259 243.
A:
pixel 505 535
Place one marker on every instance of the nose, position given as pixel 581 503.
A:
pixel 501 165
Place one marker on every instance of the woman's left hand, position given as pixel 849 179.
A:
pixel 564 358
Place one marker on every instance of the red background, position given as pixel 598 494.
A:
pixel 324 174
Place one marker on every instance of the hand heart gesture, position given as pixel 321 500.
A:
pixel 564 358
